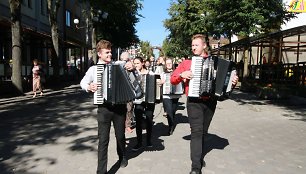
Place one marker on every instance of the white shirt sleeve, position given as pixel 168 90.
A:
pixel 88 78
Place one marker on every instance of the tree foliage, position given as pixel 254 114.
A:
pixel 145 50
pixel 119 26
pixel 221 17
pixel 247 16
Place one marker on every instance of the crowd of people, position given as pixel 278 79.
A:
pixel 200 110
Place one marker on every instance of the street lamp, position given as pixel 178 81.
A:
pixel 76 22
pixel 95 18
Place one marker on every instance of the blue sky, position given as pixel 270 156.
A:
pixel 150 27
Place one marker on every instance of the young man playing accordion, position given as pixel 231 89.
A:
pixel 107 112
pixel 200 110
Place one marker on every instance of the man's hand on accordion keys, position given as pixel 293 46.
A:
pixel 92 87
pixel 235 81
pixel 186 75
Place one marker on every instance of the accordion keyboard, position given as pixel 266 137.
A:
pixel 98 95
pixel 195 81
pixel 167 84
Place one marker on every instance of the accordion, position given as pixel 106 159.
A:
pixel 114 85
pixel 168 88
pixel 211 77
pixel 151 89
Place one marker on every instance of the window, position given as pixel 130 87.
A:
pixel 68 20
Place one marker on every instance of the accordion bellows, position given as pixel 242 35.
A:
pixel 169 89
pixel 152 91
pixel 114 85
pixel 211 77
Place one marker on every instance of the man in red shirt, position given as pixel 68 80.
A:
pixel 200 110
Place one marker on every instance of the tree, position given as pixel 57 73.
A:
pixel 185 20
pixel 145 50
pixel 172 48
pixel 53 6
pixel 119 26
pixel 246 17
pixel 223 17
pixel 15 8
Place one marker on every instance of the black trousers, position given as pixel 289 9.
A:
pixel 108 113
pixel 200 113
pixel 170 106
pixel 139 111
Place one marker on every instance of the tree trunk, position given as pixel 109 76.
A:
pixel 16 56
pixel 55 57
pixel 94 45
pixel 53 6
pixel 16 45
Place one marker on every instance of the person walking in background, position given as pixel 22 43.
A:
pixel 148 65
pixel 159 65
pixel 159 69
pixel 170 98
pixel 200 110
pixel 36 78
pixel 125 56
pixel 152 63
pixel 107 112
pixel 143 110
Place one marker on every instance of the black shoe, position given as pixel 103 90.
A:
pixel 137 147
pixel 123 162
pixel 149 144
pixel 195 172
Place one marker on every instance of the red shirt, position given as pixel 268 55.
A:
pixel 175 77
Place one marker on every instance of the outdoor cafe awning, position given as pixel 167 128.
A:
pixel 265 39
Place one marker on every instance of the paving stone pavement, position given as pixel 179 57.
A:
pixel 57 134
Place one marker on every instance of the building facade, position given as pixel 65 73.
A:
pixel 36 38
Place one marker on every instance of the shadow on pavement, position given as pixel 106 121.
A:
pixel 181 106
pixel 180 118
pixel 114 168
pixel 211 142
pixel 214 142
pixel 293 105
pixel 28 124
pixel 159 130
